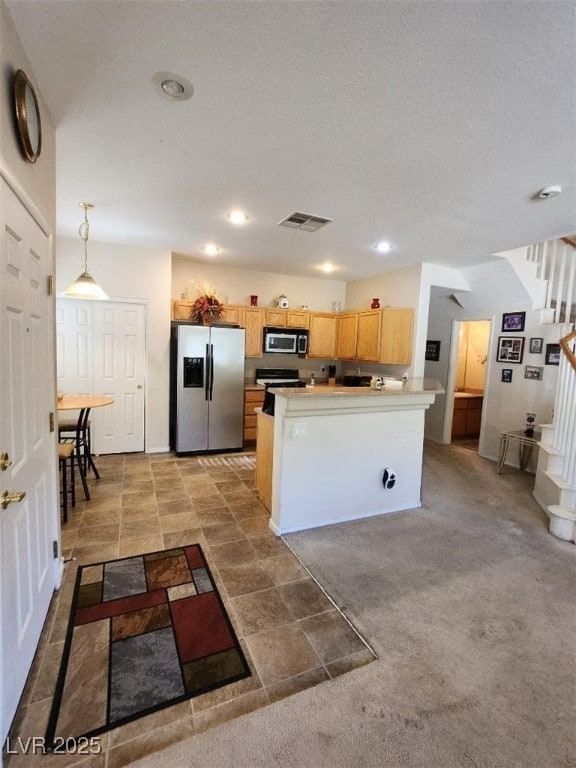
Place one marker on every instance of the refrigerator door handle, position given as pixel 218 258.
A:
pixel 207 380
pixel 211 370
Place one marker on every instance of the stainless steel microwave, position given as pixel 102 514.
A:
pixel 287 341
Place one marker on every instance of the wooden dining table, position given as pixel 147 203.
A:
pixel 83 403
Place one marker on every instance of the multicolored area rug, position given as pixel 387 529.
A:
pixel 145 633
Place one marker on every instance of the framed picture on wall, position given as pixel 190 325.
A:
pixel 513 321
pixel 432 350
pixel 536 346
pixel 552 354
pixel 510 349
pixel 507 375
pixel 533 372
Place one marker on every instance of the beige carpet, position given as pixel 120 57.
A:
pixel 469 603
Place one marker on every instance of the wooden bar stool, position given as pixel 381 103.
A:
pixel 65 463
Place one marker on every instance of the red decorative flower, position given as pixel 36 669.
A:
pixel 207 307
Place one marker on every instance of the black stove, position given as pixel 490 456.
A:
pixel 277 376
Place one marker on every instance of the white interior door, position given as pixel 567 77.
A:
pixel 28 528
pixel 101 347
pixel 119 354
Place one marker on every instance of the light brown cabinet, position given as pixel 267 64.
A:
pixel 347 336
pixel 396 335
pixel 377 335
pixel 253 321
pixel 253 398
pixel 233 314
pixel 264 459
pixel 323 328
pixel 287 318
pixel 369 331
pixel 181 310
pixel 467 416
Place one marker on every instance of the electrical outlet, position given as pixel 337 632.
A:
pixel 299 429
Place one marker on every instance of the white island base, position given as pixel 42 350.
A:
pixel 322 457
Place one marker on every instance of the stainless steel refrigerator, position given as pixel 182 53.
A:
pixel 206 388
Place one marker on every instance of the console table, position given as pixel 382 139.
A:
pixel 525 445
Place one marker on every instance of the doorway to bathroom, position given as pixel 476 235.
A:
pixel 468 376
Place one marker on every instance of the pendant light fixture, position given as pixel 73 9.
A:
pixel 85 287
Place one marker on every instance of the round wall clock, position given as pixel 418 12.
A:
pixel 27 117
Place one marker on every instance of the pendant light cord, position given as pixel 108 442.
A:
pixel 84 232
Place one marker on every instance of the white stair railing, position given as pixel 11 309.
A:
pixel 564 423
pixel 556 261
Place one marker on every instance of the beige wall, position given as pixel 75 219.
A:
pixel 37 180
pixel 472 355
pixel 132 273
pixel 234 286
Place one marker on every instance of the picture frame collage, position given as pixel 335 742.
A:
pixel 510 349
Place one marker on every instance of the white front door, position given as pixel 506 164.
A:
pixel 28 528
pixel 119 353
pixel 102 350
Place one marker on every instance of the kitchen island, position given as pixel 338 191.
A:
pixel 331 454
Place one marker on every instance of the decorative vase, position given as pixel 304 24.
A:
pixel 375 304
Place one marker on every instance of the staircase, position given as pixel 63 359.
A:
pixel 548 271
pixel 555 486
pixel 555 262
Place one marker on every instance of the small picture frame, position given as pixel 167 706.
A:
pixel 507 375
pixel 432 350
pixel 510 349
pixel 533 372
pixel 552 354
pixel 536 346
pixel 513 322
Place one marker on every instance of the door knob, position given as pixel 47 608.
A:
pixel 4 461
pixel 139 386
pixel 9 498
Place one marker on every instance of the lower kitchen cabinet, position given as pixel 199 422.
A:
pixel 253 398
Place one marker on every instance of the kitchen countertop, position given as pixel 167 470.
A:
pixel 460 395
pixel 410 387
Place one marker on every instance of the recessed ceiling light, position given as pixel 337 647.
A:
pixel 211 249
pixel 172 86
pixel 383 247
pixel 237 217
pixel 328 267
pixel 552 191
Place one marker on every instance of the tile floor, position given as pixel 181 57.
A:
pixel 292 634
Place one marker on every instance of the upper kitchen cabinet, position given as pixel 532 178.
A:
pixel 298 318
pixel 182 310
pixel 232 314
pixel 254 323
pixel 347 336
pixel 396 335
pixel 287 318
pixel 378 335
pixel 322 342
pixel 369 331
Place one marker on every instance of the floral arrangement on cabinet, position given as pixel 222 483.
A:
pixel 207 307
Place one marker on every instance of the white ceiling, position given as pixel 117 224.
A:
pixel 429 124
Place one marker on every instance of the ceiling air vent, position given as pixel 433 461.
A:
pixel 305 221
